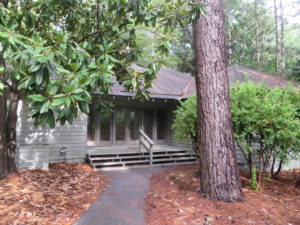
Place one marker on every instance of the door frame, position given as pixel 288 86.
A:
pixel 128 141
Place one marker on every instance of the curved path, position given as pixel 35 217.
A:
pixel 121 203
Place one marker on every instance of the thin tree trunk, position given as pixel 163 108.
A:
pixel 12 118
pixel 276 38
pixel 256 37
pixel 282 41
pixel 272 167
pixel 3 149
pixel 279 168
pixel 219 177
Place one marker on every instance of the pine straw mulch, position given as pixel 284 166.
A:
pixel 57 196
pixel 173 200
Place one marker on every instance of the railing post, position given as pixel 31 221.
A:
pixel 143 136
pixel 151 155
pixel 140 139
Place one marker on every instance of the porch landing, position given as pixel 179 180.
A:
pixel 130 156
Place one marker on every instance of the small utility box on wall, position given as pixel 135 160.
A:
pixel 32 157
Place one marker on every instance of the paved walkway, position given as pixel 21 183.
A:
pixel 121 203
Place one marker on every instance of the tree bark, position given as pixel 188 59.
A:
pixel 3 149
pixel 282 41
pixel 9 102
pixel 219 177
pixel 11 123
pixel 276 38
pixel 257 37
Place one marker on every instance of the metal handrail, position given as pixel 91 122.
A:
pixel 150 142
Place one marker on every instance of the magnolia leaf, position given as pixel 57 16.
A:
pixel 37 98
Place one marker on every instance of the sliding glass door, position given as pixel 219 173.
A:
pixel 100 129
pixel 121 127
pixel 161 127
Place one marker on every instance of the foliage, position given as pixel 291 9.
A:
pixel 242 18
pixel 254 184
pixel 251 30
pixel 181 55
pixel 58 52
pixel 246 36
pixel 185 122
pixel 266 122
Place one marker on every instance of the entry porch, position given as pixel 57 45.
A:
pixel 132 156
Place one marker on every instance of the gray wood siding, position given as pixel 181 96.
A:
pixel 32 157
pixel 32 139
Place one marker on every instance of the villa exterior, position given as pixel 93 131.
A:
pixel 118 129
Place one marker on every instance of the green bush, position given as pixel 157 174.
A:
pixel 185 122
pixel 265 121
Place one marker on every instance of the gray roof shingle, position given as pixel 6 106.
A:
pixel 172 84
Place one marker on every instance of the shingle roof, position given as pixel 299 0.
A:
pixel 172 84
pixel 242 73
pixel 169 84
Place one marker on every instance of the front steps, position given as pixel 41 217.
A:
pixel 103 160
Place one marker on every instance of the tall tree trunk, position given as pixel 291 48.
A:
pixel 9 102
pixel 282 41
pixel 276 38
pixel 11 122
pixel 3 149
pixel 219 177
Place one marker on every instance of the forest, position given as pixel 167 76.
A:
pixel 256 37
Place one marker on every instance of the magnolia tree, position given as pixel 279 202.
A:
pixel 266 123
pixel 56 53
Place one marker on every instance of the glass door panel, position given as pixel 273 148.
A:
pixel 161 119
pixel 105 126
pixel 105 131
pixel 161 124
pixel 134 125
pixel 120 126
pixel 148 119
pixel 92 128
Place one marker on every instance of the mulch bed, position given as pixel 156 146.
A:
pixel 173 200
pixel 57 196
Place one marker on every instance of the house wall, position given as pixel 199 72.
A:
pixel 36 145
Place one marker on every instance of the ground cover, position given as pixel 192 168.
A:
pixel 57 196
pixel 173 200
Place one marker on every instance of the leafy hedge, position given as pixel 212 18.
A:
pixel 266 123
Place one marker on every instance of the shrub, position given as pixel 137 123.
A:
pixel 185 122
pixel 265 121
